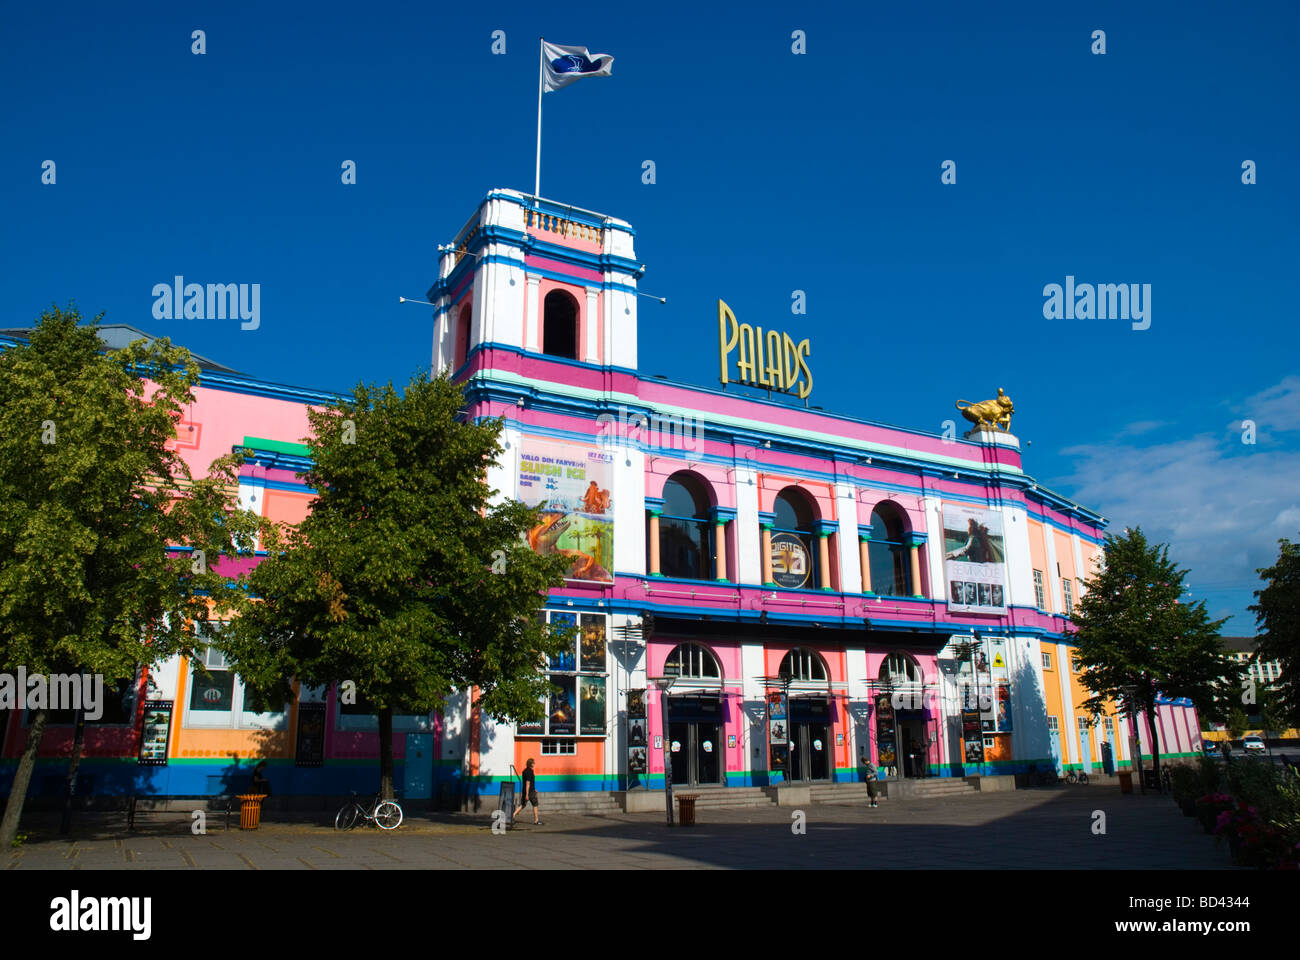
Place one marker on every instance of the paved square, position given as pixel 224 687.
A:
pixel 1047 828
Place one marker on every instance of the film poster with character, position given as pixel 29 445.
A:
pixel 974 559
pixel 637 733
pixel 571 485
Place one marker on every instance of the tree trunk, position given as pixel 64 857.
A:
pixel 22 777
pixel 386 752
pixel 1150 710
pixel 78 740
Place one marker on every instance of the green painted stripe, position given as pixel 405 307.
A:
pixel 277 446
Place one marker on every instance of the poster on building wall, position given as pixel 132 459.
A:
pixel 593 643
pixel 562 712
pixel 886 753
pixel 571 484
pixel 974 559
pixel 972 736
pixel 791 564
pixel 591 707
pixel 156 732
pixel 311 735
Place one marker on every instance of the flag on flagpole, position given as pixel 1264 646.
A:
pixel 562 65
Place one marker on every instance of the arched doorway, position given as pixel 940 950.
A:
pixel 695 717
pixel 906 725
pixel 809 716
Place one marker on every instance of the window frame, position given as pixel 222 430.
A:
pixel 578 675
pixel 1040 593
pixel 1047 660
pixel 236 718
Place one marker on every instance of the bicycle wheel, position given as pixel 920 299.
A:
pixel 1071 777
pixel 1083 778
pixel 388 815
pixel 347 817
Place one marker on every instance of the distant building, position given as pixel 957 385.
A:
pixel 1266 675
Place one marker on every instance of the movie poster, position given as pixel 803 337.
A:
pixel 974 559
pixel 571 483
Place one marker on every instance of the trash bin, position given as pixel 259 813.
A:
pixel 1125 781
pixel 686 809
pixel 250 810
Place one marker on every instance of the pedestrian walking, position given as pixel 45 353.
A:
pixel 528 791
pixel 871 780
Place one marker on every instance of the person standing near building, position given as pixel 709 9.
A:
pixel 870 777
pixel 528 791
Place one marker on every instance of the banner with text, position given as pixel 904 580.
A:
pixel 571 483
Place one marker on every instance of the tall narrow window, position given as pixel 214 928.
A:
pixel 462 336
pixel 888 553
pixel 794 554
pixel 560 325
pixel 1039 598
pixel 685 533
pixel 1069 598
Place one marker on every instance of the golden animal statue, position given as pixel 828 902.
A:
pixel 989 413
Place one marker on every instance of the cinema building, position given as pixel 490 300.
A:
pixel 763 592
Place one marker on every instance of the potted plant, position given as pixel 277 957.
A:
pixel 1210 806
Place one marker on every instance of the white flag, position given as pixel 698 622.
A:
pixel 563 65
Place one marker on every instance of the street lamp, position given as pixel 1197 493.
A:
pixel 664 684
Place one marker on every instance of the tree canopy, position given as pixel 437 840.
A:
pixel 1137 637
pixel 94 502
pixel 389 581
pixel 1277 613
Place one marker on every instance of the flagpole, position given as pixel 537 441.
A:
pixel 541 54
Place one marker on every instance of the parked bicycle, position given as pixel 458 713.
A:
pixel 1073 777
pixel 385 814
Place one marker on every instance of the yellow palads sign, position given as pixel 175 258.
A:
pixel 785 366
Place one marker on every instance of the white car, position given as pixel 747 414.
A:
pixel 1253 744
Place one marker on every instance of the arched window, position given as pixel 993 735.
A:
pixel 691 660
pixel 803 664
pixel 888 553
pixel 560 325
pixel 462 337
pixel 794 553
pixel 685 533
pixel 899 668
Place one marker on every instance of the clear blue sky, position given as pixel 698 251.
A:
pixel 775 172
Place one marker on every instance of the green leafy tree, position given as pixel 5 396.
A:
pixel 406 578
pixel 1136 638
pixel 1237 723
pixel 1278 616
pixel 91 499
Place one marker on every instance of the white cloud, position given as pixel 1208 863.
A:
pixel 1221 507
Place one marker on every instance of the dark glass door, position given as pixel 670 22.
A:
pixel 695 749
pixel 679 739
pixel 810 756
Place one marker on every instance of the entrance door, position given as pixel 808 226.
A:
pixel 810 751
pixel 1085 752
pixel 695 748
pixel 810 732
pixel 418 784
pixel 912 742
pixel 695 741
pixel 1055 736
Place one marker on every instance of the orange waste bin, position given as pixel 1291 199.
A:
pixel 250 810
pixel 686 810
pixel 1125 781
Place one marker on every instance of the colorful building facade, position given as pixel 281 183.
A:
pixel 762 592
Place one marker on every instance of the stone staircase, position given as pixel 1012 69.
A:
pixel 578 801
pixel 725 796
pixel 847 793
pixel 930 787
